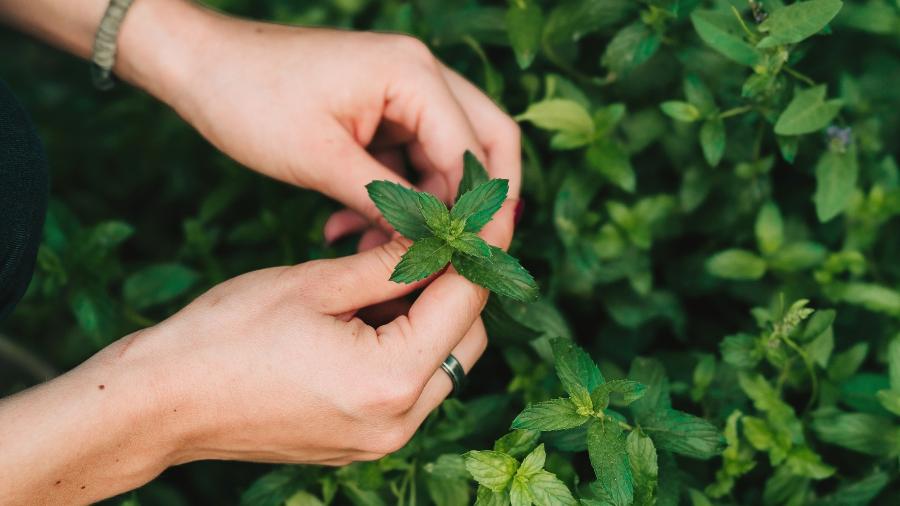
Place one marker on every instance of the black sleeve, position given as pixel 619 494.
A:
pixel 23 199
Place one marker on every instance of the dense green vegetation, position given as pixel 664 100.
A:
pixel 712 200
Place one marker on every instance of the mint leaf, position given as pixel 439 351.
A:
pixel 470 244
pixel 629 48
pixel 629 390
pixel 769 228
pixel 712 140
pixel 736 264
pixel 519 495
pixel 533 463
pixel 158 284
pixel 524 21
pixel 556 414
pixel 644 467
pixel 861 432
pixel 400 207
pixel 807 112
pixel 684 434
pixel 487 497
pixel 424 258
pixel 435 214
pixel 566 117
pixel 500 273
pixel 609 458
pixel 681 111
pixel 517 443
pixel 477 206
pixel 800 20
pixel 721 31
pixel 836 175
pixel 491 469
pixel 574 366
pixel 474 174
pixel 548 490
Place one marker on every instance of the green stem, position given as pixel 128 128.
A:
pixel 810 369
pixel 797 75
pixel 735 111
pixel 603 417
pixel 740 19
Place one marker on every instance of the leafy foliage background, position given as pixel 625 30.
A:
pixel 672 211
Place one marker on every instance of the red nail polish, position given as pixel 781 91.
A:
pixel 520 209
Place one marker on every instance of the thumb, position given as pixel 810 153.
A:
pixel 341 285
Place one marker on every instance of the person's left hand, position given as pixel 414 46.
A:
pixel 330 110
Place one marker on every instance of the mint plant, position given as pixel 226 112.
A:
pixel 441 236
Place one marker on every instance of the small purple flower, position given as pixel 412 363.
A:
pixel 840 137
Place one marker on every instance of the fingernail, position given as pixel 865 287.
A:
pixel 520 209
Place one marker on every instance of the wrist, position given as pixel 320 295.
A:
pixel 159 44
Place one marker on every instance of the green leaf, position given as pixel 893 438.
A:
pixel 681 111
pixel 273 488
pixel 769 228
pixel 533 463
pixel 422 259
pixel 644 467
pixel 712 140
pixel 807 112
pixel 868 295
pixel 470 244
pixel 517 443
pixel 797 256
pixel 893 360
pixel 609 458
pixel 720 31
pixel 788 146
pixel 561 115
pixel 610 160
pixel 836 175
pixel 861 432
pixel 846 363
pixel 491 469
pixel 889 400
pixel 400 207
pixel 158 284
pixel 524 21
pixel 548 490
pixel 435 213
pixel 474 174
pixel 800 20
pixel 556 414
pixel 500 274
pixel 857 493
pixel 630 391
pixel 684 434
pixel 519 495
pixel 741 351
pixel 106 236
pixel 477 206
pixel 630 47
pixel 802 461
pixel 699 94
pixel 303 498
pixel 95 313
pixel 487 497
pixel 736 264
pixel 651 373
pixel 574 366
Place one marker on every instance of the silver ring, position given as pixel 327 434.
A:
pixel 457 374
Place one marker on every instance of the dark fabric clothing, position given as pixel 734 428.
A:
pixel 23 199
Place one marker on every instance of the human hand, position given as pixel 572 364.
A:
pixel 328 109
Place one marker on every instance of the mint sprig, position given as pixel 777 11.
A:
pixel 441 235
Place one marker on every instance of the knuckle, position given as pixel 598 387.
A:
pixel 390 253
pixel 391 439
pixel 414 49
pixel 511 130
pixel 397 395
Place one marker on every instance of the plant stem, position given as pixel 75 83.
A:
pixel 740 19
pixel 25 360
pixel 797 75
pixel 810 369
pixel 735 111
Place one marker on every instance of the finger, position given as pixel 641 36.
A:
pixel 343 223
pixel 426 106
pixel 383 313
pixel 468 351
pixel 372 238
pixel 343 285
pixel 499 231
pixel 498 133
pixel 357 169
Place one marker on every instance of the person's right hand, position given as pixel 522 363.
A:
pixel 273 366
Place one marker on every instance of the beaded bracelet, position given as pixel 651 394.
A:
pixel 104 56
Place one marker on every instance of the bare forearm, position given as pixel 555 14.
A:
pixel 156 44
pixel 92 433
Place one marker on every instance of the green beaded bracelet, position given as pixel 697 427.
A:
pixel 104 56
